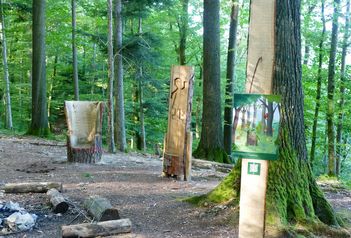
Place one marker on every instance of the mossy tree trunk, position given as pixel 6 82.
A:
pixel 293 195
pixel 211 142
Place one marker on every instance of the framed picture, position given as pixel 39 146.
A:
pixel 256 126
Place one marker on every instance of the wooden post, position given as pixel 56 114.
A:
pixel 177 141
pixel 261 53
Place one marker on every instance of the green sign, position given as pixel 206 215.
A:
pixel 254 168
pixel 256 126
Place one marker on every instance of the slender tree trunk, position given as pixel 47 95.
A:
pixel 319 90
pixel 270 119
pixel 8 123
pixel 307 54
pixel 141 112
pixel 141 99
pixel 39 124
pixel 74 52
pixel 342 90
pixel 93 77
pixel 183 28
pixel 229 90
pixel 111 143
pixel 331 91
pixel 120 120
pixel 51 84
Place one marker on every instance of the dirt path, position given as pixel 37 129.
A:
pixel 132 183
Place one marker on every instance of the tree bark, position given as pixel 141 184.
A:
pixel 319 90
pixel 111 141
pixel 229 90
pixel 8 124
pixel 331 91
pixel 293 195
pixel 74 52
pixel 211 143
pixel 341 113
pixel 120 119
pixel 39 125
pixel 183 29
pixel 141 111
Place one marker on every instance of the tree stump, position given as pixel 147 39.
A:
pixel 101 209
pixel 84 140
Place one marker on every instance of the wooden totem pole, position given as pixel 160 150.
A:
pixel 178 139
pixel 260 68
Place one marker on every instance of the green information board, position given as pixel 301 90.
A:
pixel 256 126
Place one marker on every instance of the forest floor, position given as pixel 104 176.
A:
pixel 133 184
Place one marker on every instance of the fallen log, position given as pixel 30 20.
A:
pixel 101 209
pixel 105 228
pixel 58 202
pixel 204 164
pixel 33 187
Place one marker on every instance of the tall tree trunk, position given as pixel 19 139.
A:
pixel 39 124
pixel 8 115
pixel 293 194
pixel 141 111
pixel 74 52
pixel 331 91
pixel 142 134
pixel 111 142
pixel 342 90
pixel 211 143
pixel 183 28
pixel 319 90
pixel 229 89
pixel 120 120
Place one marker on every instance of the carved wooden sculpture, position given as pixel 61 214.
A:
pixel 84 139
pixel 178 140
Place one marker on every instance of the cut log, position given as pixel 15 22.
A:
pixel 58 202
pixel 34 187
pixel 101 209
pixel 204 164
pixel 106 228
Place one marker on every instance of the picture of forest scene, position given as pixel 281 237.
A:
pixel 256 126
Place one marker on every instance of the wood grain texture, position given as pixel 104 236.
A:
pixel 261 48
